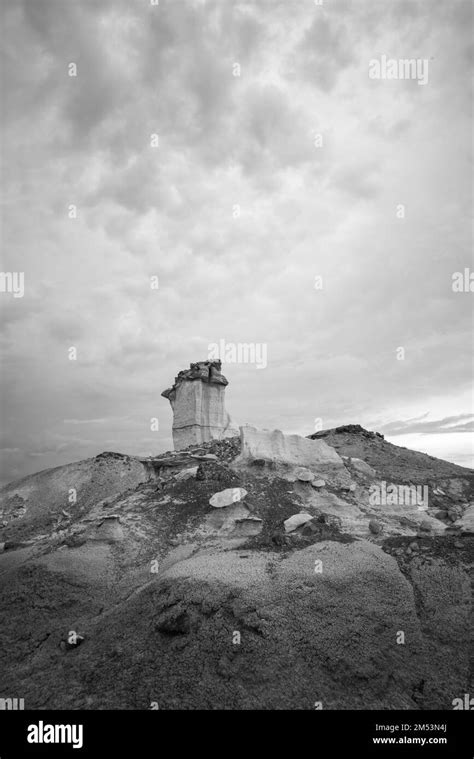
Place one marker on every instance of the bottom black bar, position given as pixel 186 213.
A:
pixel 101 733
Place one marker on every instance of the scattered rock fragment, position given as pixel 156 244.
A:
pixel 442 515
pixel 186 474
pixel 375 527
pixel 295 521
pixel 318 483
pixel 227 497
pixel 303 474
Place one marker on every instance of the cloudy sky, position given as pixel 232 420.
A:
pixel 276 161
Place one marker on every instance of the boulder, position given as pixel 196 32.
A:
pixel 227 497
pixel 318 483
pixel 296 521
pixel 303 474
pixel 186 474
pixel 375 527
pixel 441 515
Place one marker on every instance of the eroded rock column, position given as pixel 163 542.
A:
pixel 197 401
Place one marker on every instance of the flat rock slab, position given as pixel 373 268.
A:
pixel 291 451
pixel 227 497
pixel 353 519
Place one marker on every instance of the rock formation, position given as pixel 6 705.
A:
pixel 197 401
pixel 289 451
pixel 160 562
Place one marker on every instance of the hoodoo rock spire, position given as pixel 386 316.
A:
pixel 197 401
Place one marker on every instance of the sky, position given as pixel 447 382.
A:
pixel 195 171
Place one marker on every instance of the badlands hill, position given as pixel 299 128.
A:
pixel 254 572
pixel 391 461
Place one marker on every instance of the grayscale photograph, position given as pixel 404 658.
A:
pixel 236 372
